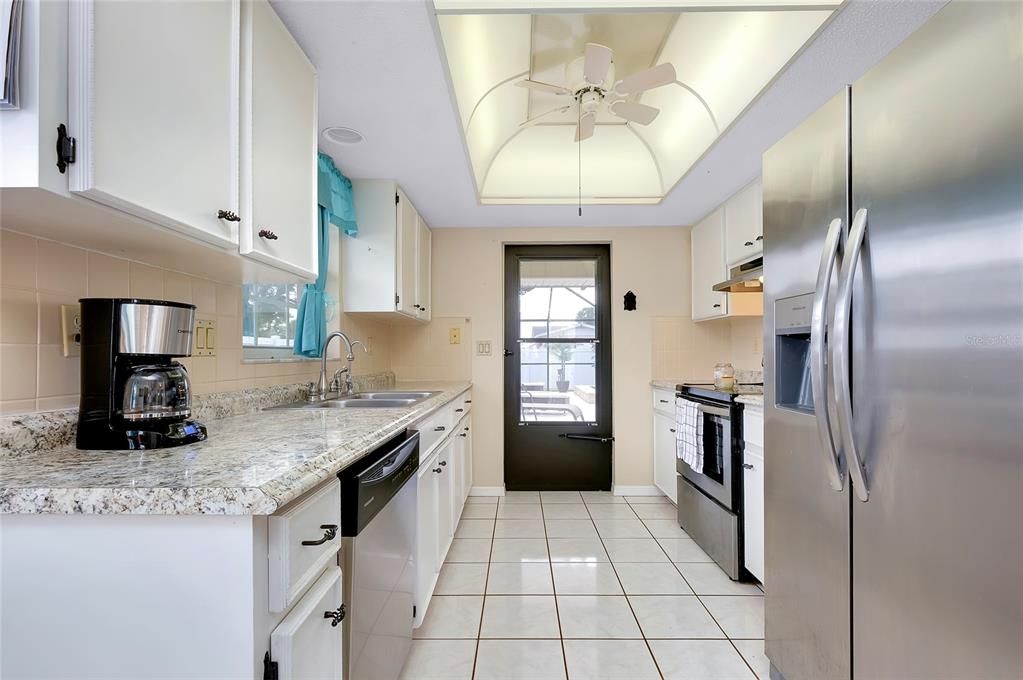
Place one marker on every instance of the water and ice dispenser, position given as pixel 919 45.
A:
pixel 792 353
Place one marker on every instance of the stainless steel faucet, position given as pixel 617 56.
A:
pixel 324 388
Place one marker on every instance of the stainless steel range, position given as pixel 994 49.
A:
pixel 710 500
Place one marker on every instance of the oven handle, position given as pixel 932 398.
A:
pixel 706 406
pixel 714 410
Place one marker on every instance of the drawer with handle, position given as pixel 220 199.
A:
pixel 307 643
pixel 664 401
pixel 303 539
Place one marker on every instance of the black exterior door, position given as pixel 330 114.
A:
pixel 557 404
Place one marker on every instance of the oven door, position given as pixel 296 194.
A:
pixel 717 476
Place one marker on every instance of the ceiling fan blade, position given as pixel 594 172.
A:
pixel 635 112
pixel 662 74
pixel 596 63
pixel 543 87
pixel 584 130
pixel 537 119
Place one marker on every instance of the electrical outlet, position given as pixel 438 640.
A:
pixel 204 339
pixel 455 336
pixel 71 329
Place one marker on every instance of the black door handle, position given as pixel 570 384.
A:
pixel 508 352
pixel 603 439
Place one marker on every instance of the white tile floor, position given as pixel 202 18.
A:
pixel 584 586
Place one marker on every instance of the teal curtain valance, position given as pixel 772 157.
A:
pixel 336 208
pixel 335 196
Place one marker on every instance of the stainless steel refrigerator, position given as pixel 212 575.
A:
pixel 893 280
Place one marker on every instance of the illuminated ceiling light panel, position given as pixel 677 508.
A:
pixel 723 59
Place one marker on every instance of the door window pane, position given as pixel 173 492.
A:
pixel 557 298
pixel 561 386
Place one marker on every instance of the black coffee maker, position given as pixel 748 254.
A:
pixel 134 395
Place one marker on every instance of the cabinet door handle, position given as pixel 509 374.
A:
pixel 466 428
pixel 228 215
pixel 438 470
pixel 716 305
pixel 459 410
pixel 329 534
pixel 336 616
pixel 748 243
pixel 267 234
pixel 760 238
pixel 443 463
pixel 748 466
pixel 463 435
pixel 663 401
pixel 468 401
pixel 439 428
pixel 671 429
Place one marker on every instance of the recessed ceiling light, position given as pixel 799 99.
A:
pixel 342 135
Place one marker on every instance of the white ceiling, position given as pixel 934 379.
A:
pixel 381 72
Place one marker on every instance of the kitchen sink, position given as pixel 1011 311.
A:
pixel 394 399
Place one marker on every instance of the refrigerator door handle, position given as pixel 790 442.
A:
pixel 840 363
pixel 818 370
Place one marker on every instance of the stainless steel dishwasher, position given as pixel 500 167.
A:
pixel 378 529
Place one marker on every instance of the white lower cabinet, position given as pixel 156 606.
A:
pixel 307 643
pixel 753 495
pixel 444 480
pixel 664 454
pixel 445 505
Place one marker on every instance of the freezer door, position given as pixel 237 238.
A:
pixel 806 520
pixel 937 353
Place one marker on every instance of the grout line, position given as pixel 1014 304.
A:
pixel 554 587
pixel 646 641
pixel 486 586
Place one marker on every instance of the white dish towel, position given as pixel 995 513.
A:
pixel 689 433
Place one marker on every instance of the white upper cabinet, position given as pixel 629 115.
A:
pixel 386 267
pixel 424 243
pixel 709 266
pixel 206 127
pixel 155 112
pixel 407 262
pixel 716 237
pixel 744 225
pixel 279 164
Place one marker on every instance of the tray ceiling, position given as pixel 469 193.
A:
pixel 723 59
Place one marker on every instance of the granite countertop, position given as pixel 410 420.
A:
pixel 250 465
pixel 754 400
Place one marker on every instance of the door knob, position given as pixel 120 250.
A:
pixel 748 466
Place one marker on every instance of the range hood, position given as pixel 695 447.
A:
pixel 745 278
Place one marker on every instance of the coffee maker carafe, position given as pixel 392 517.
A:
pixel 134 395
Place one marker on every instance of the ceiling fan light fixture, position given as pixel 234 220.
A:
pixel 342 135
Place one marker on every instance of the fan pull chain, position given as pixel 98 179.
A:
pixel 579 144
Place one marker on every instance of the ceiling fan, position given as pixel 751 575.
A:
pixel 591 83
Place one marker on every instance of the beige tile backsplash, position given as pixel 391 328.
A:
pixel 38 276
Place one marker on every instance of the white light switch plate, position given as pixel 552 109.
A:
pixel 71 329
